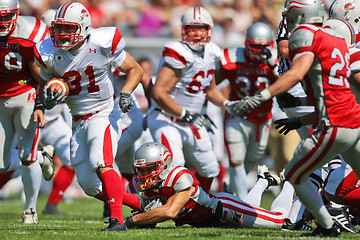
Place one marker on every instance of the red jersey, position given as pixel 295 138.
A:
pixel 326 83
pixel 16 52
pixel 247 78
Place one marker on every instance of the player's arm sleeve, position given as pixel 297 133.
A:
pixel 300 42
pixel 173 56
pixel 184 182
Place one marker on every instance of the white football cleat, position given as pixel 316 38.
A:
pixel 30 216
pixel 47 166
pixel 261 169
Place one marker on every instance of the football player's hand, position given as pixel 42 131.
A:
pixel 286 100
pixel 39 117
pixel 195 119
pixel 51 98
pixel 243 107
pixel 208 123
pixel 288 124
pixel 269 58
pixel 153 204
pixel 125 102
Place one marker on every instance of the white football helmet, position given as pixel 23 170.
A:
pixel 348 10
pixel 303 11
pixel 9 12
pixel 196 24
pixel 342 27
pixel 152 164
pixel 71 25
pixel 259 37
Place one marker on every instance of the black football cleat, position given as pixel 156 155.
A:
pixel 114 225
pixel 334 231
pixel 298 226
pixel 340 216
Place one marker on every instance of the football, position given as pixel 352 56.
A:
pixel 58 84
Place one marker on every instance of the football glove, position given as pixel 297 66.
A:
pixel 153 204
pixel 125 102
pixel 195 119
pixel 286 100
pixel 208 124
pixel 51 99
pixel 288 124
pixel 269 59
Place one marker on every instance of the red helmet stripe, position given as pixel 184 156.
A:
pixel 63 9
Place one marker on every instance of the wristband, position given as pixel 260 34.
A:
pixel 225 102
pixel 266 94
pixel 183 113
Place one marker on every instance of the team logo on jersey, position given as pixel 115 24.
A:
pixel 59 58
pixel 83 14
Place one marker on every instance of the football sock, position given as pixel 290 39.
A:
pixel 284 200
pixel 255 194
pixel 131 200
pixel 61 182
pixel 311 198
pixel 112 186
pixel 31 177
pixel 238 183
pixel 5 177
pixel 297 210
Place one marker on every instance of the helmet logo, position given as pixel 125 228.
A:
pixel 348 7
pixel 83 14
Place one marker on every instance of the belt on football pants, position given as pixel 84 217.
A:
pixel 173 119
pixel 83 117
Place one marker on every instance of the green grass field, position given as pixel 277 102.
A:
pixel 82 220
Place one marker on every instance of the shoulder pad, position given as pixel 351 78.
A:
pixel 108 38
pixel 214 48
pixel 31 28
pixel 179 178
pixel 44 52
pixel 232 55
pixel 302 36
pixel 177 54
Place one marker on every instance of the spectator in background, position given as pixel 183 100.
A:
pixel 154 19
pixel 263 11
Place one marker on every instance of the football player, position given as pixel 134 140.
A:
pixel 184 80
pixel 83 56
pixel 249 70
pixel 167 191
pixel 316 54
pixel 19 76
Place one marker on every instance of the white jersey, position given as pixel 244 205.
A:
pixel 91 88
pixel 197 72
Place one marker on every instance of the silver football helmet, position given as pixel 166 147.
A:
pixel 9 12
pixel 71 25
pixel 343 28
pixel 259 37
pixel 196 24
pixel 348 10
pixel 303 11
pixel 152 164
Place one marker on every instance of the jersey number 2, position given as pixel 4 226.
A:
pixel 339 66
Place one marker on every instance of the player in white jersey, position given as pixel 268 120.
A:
pixel 167 191
pixel 83 57
pixel 184 80
pixel 19 76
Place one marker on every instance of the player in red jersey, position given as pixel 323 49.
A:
pixel 19 76
pixel 321 59
pixel 166 191
pixel 249 70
